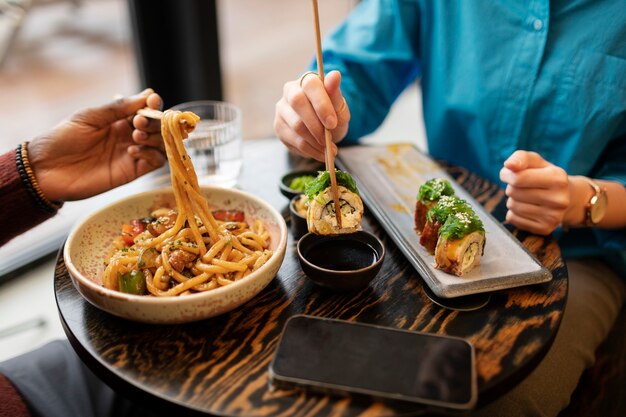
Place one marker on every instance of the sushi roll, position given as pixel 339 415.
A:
pixel 436 217
pixel 428 195
pixel 321 218
pixel 461 243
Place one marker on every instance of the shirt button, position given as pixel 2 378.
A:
pixel 538 24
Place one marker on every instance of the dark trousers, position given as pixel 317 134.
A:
pixel 56 383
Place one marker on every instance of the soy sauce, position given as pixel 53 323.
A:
pixel 342 255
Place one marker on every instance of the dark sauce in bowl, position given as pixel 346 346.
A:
pixel 341 262
pixel 342 255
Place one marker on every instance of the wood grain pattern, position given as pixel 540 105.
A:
pixel 219 366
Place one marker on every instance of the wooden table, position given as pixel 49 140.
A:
pixel 219 366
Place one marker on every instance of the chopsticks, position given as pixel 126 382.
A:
pixel 150 113
pixel 329 157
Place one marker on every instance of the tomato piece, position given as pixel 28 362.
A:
pixel 127 234
pixel 129 231
pixel 229 215
pixel 138 226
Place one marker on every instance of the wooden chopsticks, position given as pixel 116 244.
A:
pixel 329 157
pixel 150 113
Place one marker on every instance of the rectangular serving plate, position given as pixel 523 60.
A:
pixel 389 177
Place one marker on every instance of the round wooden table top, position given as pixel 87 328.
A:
pixel 219 366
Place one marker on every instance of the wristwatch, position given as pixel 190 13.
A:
pixel 596 207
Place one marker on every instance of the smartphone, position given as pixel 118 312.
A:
pixel 339 356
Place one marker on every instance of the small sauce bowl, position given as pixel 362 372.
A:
pixel 299 226
pixel 285 182
pixel 341 262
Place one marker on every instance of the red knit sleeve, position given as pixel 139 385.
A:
pixel 12 403
pixel 18 209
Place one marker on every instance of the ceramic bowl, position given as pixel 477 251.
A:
pixel 90 241
pixel 285 181
pixel 341 262
pixel 299 226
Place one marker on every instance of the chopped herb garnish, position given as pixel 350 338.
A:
pixel 446 206
pixel 460 225
pixel 433 189
pixel 322 182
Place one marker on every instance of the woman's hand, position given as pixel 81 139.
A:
pixel 306 108
pixel 538 192
pixel 98 149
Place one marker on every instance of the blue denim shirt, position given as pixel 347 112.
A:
pixel 497 76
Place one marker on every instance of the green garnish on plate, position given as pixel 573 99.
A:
pixel 300 183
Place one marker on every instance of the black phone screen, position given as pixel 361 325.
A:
pixel 345 356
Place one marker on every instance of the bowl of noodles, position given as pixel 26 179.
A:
pixel 133 260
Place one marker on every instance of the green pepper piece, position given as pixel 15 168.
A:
pixel 132 282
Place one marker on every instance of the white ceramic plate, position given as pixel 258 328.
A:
pixel 90 241
pixel 389 178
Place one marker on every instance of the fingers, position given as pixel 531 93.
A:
pixel 148 131
pixel 332 83
pixel 530 225
pixel 520 160
pixel 119 109
pixel 154 140
pixel 295 135
pixel 325 98
pixel 532 217
pixel 154 101
pixel 307 108
pixel 537 210
pixel 549 198
pixel 297 105
pixel 147 158
pixel 538 192
pixel 548 177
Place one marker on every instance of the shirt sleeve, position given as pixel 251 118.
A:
pixel 19 212
pixel 376 51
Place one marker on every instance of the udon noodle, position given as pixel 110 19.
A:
pixel 214 252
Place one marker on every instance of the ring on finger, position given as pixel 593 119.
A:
pixel 303 76
pixel 343 106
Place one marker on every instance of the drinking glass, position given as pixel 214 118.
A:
pixel 215 145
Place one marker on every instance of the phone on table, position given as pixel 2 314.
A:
pixel 339 356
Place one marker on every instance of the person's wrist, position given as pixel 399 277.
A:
pixel 580 193
pixel 27 174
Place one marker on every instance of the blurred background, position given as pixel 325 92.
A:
pixel 57 56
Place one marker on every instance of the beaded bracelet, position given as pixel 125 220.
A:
pixel 30 182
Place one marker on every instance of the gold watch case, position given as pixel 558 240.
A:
pixel 596 207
